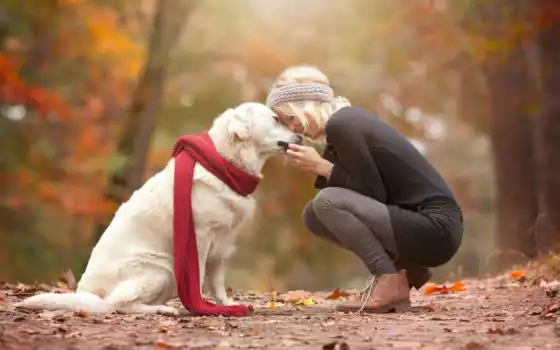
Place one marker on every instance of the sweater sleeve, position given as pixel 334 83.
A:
pixel 356 168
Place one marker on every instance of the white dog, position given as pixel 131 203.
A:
pixel 131 267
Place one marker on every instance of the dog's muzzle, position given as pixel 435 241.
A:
pixel 298 140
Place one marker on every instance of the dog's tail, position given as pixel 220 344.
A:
pixel 87 302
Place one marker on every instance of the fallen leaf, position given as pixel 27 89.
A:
pixel 23 290
pixel 304 302
pixel 81 313
pixel 162 330
pixel 474 345
pixel 229 292
pixel 337 294
pixel 2 299
pixel 161 344
pixel 294 295
pixel 517 274
pixel 272 305
pixel 457 287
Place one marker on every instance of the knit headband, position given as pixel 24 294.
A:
pixel 299 92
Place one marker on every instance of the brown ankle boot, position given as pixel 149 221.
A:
pixel 417 276
pixel 388 293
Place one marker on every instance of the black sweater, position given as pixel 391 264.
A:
pixel 372 158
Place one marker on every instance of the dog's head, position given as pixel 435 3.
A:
pixel 249 134
pixel 258 127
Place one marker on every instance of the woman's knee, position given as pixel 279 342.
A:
pixel 328 199
pixel 313 224
pixel 310 219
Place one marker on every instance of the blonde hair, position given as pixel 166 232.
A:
pixel 318 111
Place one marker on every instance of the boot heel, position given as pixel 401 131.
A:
pixel 401 306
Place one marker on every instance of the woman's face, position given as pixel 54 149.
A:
pixel 295 125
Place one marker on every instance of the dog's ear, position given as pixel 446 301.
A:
pixel 239 127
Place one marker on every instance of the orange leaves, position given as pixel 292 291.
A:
pixel 111 42
pixel 457 287
pixel 105 43
pixel 13 90
pixel 517 274
pixel 337 294
pixel 295 297
pixel 161 344
pixel 302 298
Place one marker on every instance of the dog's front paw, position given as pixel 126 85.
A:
pixel 226 302
pixel 168 311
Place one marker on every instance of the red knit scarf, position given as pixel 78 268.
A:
pixel 188 150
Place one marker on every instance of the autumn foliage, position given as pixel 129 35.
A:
pixel 61 91
pixel 70 68
pixel 15 91
pixel 457 287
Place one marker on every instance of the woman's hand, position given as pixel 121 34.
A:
pixel 307 158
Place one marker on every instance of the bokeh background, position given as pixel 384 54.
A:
pixel 93 94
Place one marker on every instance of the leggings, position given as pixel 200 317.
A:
pixel 354 222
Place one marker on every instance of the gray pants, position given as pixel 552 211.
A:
pixel 354 222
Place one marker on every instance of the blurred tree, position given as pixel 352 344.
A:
pixel 498 47
pixel 168 20
pixel 547 27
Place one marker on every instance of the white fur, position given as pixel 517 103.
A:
pixel 131 267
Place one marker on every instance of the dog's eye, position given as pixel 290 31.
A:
pixel 276 119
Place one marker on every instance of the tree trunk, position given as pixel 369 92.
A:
pixel 510 124
pixel 511 127
pixel 548 37
pixel 138 127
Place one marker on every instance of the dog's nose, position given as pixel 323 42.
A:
pixel 298 139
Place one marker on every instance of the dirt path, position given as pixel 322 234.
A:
pixel 493 314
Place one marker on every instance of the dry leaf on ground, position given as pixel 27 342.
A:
pixel 517 274
pixel 303 302
pixel 457 287
pixel 337 294
pixel 294 295
pixel 281 329
pixel 81 313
